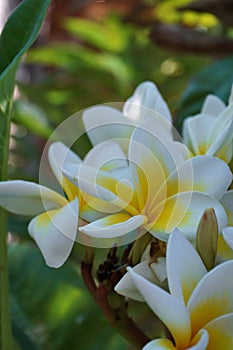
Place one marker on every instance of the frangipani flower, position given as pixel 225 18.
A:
pixel 161 191
pixel 104 122
pixel 198 312
pixel 211 131
pixel 55 223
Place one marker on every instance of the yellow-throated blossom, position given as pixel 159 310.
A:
pixel 104 122
pixel 211 131
pixel 55 224
pixel 154 187
pixel 198 311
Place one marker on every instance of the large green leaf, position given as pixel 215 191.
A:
pixel 107 36
pixel 17 36
pixel 216 79
pixel 61 312
pixel 32 117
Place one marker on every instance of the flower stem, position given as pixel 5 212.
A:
pixel 5 319
pixel 113 306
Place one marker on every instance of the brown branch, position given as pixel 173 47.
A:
pixel 178 38
pixel 114 308
pixel 86 272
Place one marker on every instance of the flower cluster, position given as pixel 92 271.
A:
pixel 141 180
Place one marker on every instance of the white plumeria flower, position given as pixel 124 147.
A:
pixel 102 122
pixel 54 227
pixel 154 188
pixel 211 131
pixel 198 311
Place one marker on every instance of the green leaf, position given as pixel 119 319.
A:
pixel 62 314
pixel 107 36
pixel 33 117
pixel 17 36
pixel 216 79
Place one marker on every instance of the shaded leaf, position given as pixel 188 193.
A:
pixel 216 79
pixel 32 117
pixel 17 36
pixel 60 309
pixel 107 36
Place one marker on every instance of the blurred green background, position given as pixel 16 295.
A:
pixel 92 52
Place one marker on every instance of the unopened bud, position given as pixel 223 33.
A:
pixel 207 238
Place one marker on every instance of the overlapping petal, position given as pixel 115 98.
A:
pixel 195 132
pixel 102 185
pixel 212 296
pixel 184 211
pixel 200 174
pixel 159 344
pixel 28 198
pixel 213 105
pixel 182 278
pixel 104 123
pixel 227 233
pixel 146 269
pixel 211 132
pixel 169 309
pixel 227 202
pixel 145 102
pixel 55 232
pixel 200 342
pixel 58 154
pixel 120 228
pixel 220 332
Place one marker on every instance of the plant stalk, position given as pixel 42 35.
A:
pixel 5 319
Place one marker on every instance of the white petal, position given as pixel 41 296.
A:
pixel 221 123
pixel 127 287
pixel 159 269
pixel 103 186
pixel 230 99
pixel 212 296
pixel 184 267
pixel 200 342
pixel 195 132
pixel 213 105
pixel 169 309
pixel 106 123
pixel 58 154
pixel 228 236
pixel 116 229
pixel 159 344
pixel 55 232
pixel 227 202
pixel 106 156
pixel 150 155
pixel 221 333
pixel 219 144
pixel 210 175
pixel 145 101
pixel 224 252
pixel 184 211
pixel 28 198
pixel 198 203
